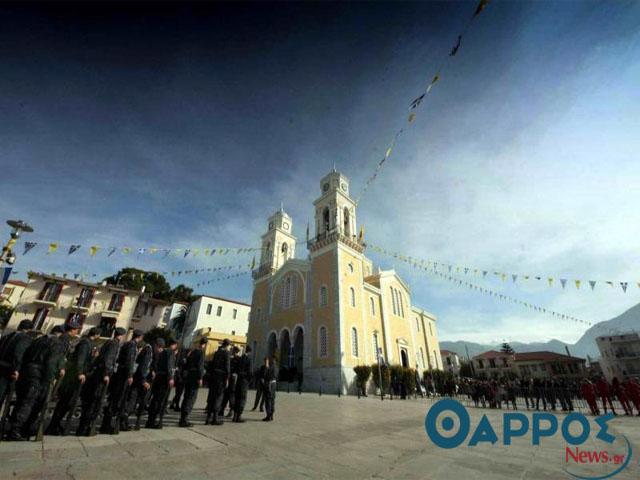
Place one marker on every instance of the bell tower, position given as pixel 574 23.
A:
pixel 278 244
pixel 335 210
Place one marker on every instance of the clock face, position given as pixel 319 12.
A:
pixel 270 225
pixel 344 187
pixel 285 225
pixel 325 187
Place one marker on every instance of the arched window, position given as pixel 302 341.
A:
pixel 287 292
pixel 422 357
pixel 393 300
pixel 375 347
pixel 294 289
pixel 401 303
pixel 430 330
pixel 323 296
pixel 323 348
pixel 326 219
pixel 347 222
pixel 285 251
pixel 354 342
pixel 417 324
pixel 372 302
pixel 353 296
pixel 268 252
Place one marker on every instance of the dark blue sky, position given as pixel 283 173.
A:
pixel 186 125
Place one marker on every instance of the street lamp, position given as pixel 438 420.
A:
pixel 375 335
pixel 18 226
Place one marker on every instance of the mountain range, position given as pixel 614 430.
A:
pixel 585 346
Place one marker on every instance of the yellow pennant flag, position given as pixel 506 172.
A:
pixel 361 234
pixel 503 276
pixel 52 248
pixel 153 250
pixel 578 284
pixel 412 117
pixel 386 155
pixel 550 280
pixel 93 250
pixel 206 252
pixel 195 251
pixel 126 250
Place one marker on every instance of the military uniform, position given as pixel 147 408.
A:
pixel 12 350
pixel 193 373
pixel 161 387
pixel 269 378
pixel 118 386
pixel 219 371
pixel 78 364
pixel 137 396
pixel 180 377
pixel 42 362
pixel 94 387
pixel 242 385
pixel 230 390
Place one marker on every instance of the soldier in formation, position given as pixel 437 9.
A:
pixel 111 381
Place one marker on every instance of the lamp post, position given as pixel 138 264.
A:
pixel 375 334
pixel 18 227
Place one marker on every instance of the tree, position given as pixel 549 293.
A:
pixel 506 348
pixel 182 293
pixel 178 322
pixel 158 332
pixel 133 279
pixel 363 373
pixel 5 315
pixel 466 370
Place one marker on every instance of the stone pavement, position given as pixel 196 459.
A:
pixel 311 437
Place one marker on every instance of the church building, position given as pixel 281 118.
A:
pixel 333 310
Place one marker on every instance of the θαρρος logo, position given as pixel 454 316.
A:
pixel 575 428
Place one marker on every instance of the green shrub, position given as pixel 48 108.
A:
pixel 363 373
pixel 382 372
pixel 409 379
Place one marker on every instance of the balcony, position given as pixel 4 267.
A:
pixel 325 239
pixel 44 302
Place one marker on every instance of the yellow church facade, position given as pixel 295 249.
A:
pixel 333 310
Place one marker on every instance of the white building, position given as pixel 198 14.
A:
pixel 450 362
pixel 620 355
pixel 48 300
pixel 12 292
pixel 219 315
pixel 150 313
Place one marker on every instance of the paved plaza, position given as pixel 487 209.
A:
pixel 311 437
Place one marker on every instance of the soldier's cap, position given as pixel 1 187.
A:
pixel 57 329
pixel 247 349
pixel 119 332
pixel 72 325
pixel 235 349
pixel 137 333
pixel 203 341
pixel 93 331
pixel 159 342
pixel 226 342
pixel 25 325
pixel 173 342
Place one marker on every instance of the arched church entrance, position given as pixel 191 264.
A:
pixel 286 356
pixel 272 345
pixel 404 358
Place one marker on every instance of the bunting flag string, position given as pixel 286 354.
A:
pixel 415 104
pixel 227 277
pixel 503 276
pixel 429 268
pixel 193 252
pixel 145 275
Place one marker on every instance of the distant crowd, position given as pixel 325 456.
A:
pixel 552 394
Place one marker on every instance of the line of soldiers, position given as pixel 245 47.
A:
pixel 120 379
pixel 551 393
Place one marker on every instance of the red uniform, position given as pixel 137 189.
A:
pixel 633 391
pixel 619 392
pixel 588 392
pixel 604 394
